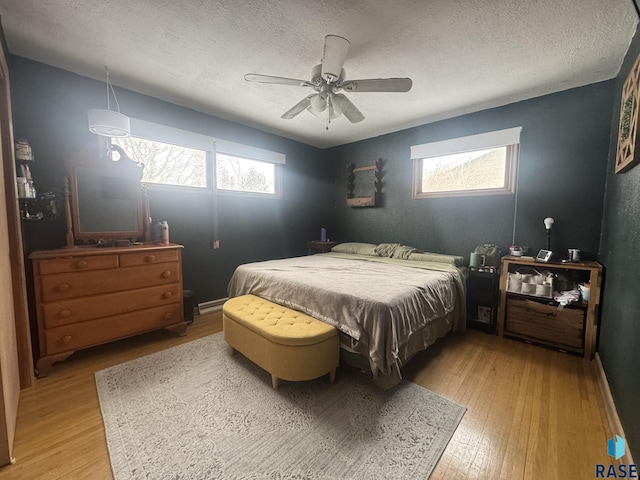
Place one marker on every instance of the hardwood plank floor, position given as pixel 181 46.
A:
pixel 532 413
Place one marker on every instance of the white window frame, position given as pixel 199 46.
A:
pixel 248 152
pixel 508 137
pixel 163 133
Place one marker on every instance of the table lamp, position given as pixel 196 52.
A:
pixel 548 223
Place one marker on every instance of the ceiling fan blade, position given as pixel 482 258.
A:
pixel 256 77
pixel 378 85
pixel 298 107
pixel 347 108
pixel 335 53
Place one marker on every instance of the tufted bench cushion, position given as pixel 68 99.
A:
pixel 288 344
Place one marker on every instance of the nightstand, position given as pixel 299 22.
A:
pixel 316 246
pixel 538 320
pixel 482 298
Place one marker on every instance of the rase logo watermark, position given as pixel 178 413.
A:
pixel 616 448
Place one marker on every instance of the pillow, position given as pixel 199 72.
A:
pixel 403 252
pixel 386 249
pixel 454 260
pixel 356 248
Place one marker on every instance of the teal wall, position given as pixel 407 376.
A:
pixel 566 153
pixel 562 167
pixel 619 344
pixel 50 110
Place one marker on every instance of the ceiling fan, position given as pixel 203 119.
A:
pixel 328 80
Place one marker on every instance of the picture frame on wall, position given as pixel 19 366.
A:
pixel 628 153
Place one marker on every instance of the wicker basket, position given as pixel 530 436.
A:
pixel 529 281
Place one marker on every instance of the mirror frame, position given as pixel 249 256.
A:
pixel 124 168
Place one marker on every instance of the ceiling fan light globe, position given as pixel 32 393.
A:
pixel 318 103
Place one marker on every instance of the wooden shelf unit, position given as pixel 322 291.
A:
pixel 530 318
pixel 318 246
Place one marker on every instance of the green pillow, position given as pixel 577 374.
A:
pixel 454 260
pixel 355 248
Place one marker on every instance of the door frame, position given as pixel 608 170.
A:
pixel 16 251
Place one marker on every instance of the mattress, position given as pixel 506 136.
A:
pixel 387 309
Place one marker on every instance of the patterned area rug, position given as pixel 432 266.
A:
pixel 194 412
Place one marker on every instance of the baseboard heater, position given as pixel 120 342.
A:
pixel 211 306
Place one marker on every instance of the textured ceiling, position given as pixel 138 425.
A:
pixel 463 56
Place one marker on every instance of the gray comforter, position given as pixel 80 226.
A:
pixel 378 301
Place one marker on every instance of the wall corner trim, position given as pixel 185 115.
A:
pixel 613 420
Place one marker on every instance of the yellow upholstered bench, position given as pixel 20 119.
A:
pixel 286 343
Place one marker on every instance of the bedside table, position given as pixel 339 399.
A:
pixel 316 246
pixel 482 299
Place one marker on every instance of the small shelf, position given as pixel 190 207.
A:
pixel 482 300
pixel 538 320
pixel 370 200
pixel 318 246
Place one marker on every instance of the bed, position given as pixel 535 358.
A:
pixel 388 301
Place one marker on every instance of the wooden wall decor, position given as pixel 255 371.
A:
pixel 369 201
pixel 628 142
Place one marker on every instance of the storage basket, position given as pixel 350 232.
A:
pixel 529 281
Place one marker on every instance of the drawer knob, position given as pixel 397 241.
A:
pixel 150 258
pixel 166 274
pixel 65 313
pixel 166 295
pixel 66 339
pixel 63 287
pixel 168 316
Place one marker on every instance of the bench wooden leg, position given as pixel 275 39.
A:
pixel 332 375
pixel 274 382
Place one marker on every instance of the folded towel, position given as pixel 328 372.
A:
pixel 566 297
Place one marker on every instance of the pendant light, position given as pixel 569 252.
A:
pixel 109 123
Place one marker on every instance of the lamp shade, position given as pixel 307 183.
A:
pixel 548 223
pixel 108 123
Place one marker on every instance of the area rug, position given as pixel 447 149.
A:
pixel 195 412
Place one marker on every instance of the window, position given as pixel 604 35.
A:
pixel 246 170
pixel 180 158
pixel 475 165
pixel 166 163
pixel 245 175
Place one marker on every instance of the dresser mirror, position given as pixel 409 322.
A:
pixel 106 204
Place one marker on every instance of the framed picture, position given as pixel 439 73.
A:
pixel 628 142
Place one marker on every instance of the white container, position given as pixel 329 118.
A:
pixel 584 291
pixel 165 233
pixel 543 291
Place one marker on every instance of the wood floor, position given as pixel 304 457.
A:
pixel 532 413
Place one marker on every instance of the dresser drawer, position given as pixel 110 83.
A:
pixel 545 322
pixel 76 310
pixel 79 335
pixel 77 263
pixel 145 258
pixel 82 284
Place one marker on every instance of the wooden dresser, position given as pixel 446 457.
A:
pixel 89 296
